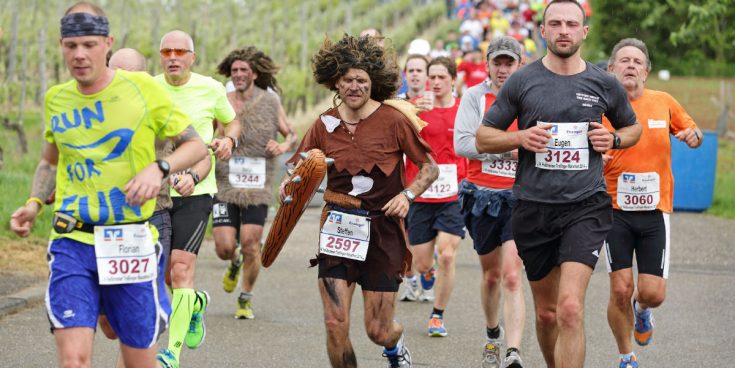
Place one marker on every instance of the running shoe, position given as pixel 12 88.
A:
pixel 167 359
pixel 426 295
pixel 411 291
pixel 631 363
pixel 244 309
pixel 643 331
pixel 400 357
pixel 197 330
pixel 492 351
pixel 232 273
pixel 436 326
pixel 513 360
pixel 427 279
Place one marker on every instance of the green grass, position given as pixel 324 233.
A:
pixel 695 95
pixel 723 203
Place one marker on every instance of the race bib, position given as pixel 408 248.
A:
pixel 638 191
pixel 125 254
pixel 568 148
pixel 445 185
pixel 247 172
pixel 345 235
pixel 500 167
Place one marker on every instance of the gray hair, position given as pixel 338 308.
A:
pixel 634 42
pixel 189 41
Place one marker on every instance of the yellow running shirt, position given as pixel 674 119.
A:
pixel 104 139
pixel 203 99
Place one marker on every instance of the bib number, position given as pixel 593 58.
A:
pixel 345 235
pixel 125 254
pixel 445 185
pixel 247 172
pixel 568 148
pixel 500 167
pixel 638 191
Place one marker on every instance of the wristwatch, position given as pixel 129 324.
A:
pixel 164 167
pixel 234 141
pixel 616 141
pixel 409 195
pixel 194 176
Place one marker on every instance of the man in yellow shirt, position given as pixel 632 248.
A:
pixel 100 130
pixel 204 100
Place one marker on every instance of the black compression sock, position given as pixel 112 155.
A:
pixel 438 312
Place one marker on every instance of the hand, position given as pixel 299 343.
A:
pixel 601 139
pixel 425 103
pixel 606 158
pixel 21 221
pixel 535 138
pixel 143 186
pixel 691 137
pixel 397 206
pixel 273 148
pixel 183 183
pixel 222 147
pixel 282 188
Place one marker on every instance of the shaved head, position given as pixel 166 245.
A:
pixel 128 59
pixel 178 35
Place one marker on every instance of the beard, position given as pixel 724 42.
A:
pixel 564 53
pixel 245 86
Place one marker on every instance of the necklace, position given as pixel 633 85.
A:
pixel 353 124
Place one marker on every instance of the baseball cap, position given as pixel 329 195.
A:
pixel 504 45
pixel 419 46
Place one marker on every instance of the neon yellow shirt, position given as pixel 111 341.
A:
pixel 203 99
pixel 104 139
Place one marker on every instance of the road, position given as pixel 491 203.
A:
pixel 694 327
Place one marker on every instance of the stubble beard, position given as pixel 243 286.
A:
pixel 564 54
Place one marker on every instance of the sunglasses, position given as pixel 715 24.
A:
pixel 176 52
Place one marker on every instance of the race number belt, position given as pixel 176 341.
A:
pixel 500 167
pixel 638 191
pixel 568 148
pixel 345 235
pixel 247 172
pixel 125 254
pixel 445 185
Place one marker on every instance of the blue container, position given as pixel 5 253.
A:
pixel 694 173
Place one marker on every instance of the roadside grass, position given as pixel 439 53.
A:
pixel 723 203
pixel 695 95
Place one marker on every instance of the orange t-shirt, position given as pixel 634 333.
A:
pixel 659 115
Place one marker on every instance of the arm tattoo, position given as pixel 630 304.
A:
pixel 44 181
pixel 188 134
pixel 428 172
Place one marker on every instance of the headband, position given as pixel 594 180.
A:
pixel 84 24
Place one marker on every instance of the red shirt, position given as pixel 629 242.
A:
pixel 473 73
pixel 439 134
pixel 474 168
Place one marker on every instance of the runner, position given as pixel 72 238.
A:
pixel 367 140
pixel 641 185
pixel 487 201
pixel 103 197
pixel 204 100
pixel 434 219
pixel 244 182
pixel 563 212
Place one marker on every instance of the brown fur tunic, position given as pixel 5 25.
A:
pixel 259 123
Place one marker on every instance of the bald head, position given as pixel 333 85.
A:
pixel 128 59
pixel 178 36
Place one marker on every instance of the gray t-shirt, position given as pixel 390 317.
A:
pixel 535 94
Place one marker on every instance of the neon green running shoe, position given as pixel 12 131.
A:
pixel 197 331
pixel 232 274
pixel 167 359
pixel 244 309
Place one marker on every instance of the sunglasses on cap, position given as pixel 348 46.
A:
pixel 176 52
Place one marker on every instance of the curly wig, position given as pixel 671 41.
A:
pixel 259 62
pixel 333 61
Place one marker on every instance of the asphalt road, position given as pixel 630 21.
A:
pixel 694 327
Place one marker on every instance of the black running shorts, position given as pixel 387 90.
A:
pixel 547 235
pixel 647 233
pixel 189 217
pixel 426 220
pixel 228 214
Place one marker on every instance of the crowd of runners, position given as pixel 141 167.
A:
pixel 545 164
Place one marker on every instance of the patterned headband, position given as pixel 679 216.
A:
pixel 84 24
